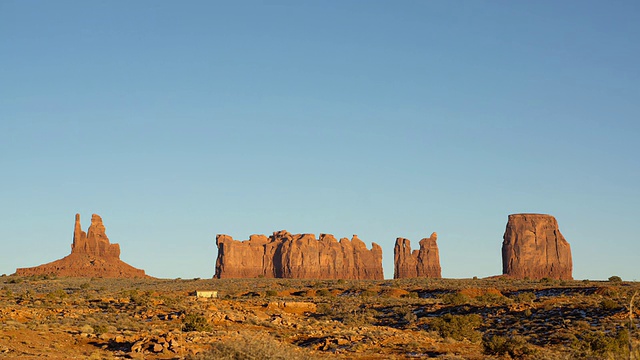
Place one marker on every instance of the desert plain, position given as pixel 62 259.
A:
pixel 49 317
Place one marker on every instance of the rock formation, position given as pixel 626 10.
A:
pixel 534 248
pixel 91 256
pixel 424 262
pixel 300 256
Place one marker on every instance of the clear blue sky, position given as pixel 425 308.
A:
pixel 176 121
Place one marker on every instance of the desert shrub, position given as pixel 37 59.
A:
pixel 368 293
pixel 608 304
pixel 411 295
pixel 57 294
pixel 406 315
pixel 598 343
pixel 491 299
pixel 100 328
pixel 615 279
pixel 362 317
pixel 195 322
pixel 87 329
pixel 252 346
pixel 271 293
pixel 455 299
pixel 515 346
pixel 323 292
pixel 546 280
pixel 458 327
pixel 349 313
pixel 525 297
pixel 138 297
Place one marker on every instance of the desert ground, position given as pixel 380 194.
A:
pixel 497 318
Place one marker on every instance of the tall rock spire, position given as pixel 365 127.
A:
pixel 424 262
pixel 79 244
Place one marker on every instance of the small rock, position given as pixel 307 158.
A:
pixel 137 346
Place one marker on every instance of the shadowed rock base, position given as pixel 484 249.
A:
pixel 91 256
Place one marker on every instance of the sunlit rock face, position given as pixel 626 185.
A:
pixel 424 262
pixel 534 248
pixel 92 255
pixel 297 256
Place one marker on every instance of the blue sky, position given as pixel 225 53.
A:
pixel 176 121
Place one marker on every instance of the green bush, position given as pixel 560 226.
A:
pixel 608 304
pixel 406 315
pixel 525 297
pixel 615 279
pixel 597 343
pixel 489 299
pixel 195 322
pixel 455 299
pixel 368 293
pixel 271 293
pixel 458 327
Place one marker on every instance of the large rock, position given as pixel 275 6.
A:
pixel 534 248
pixel 299 256
pixel 424 262
pixel 92 255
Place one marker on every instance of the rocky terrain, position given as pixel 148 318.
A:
pixel 92 255
pixel 424 262
pixel 534 248
pixel 43 317
pixel 297 256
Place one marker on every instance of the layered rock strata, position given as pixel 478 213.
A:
pixel 534 248
pixel 297 256
pixel 424 262
pixel 92 255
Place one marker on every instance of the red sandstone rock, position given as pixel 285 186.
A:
pixel 299 256
pixel 424 262
pixel 91 256
pixel 534 248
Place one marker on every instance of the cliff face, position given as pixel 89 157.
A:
pixel 424 262
pixel 534 248
pixel 92 255
pixel 299 256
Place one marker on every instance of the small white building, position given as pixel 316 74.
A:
pixel 206 294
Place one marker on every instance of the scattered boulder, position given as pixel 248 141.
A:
pixel 424 262
pixel 299 256
pixel 92 255
pixel 534 248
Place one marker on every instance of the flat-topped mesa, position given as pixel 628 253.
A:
pixel 424 262
pixel 92 255
pixel 96 242
pixel 534 248
pixel 297 256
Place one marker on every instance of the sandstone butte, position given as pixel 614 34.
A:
pixel 534 248
pixel 299 256
pixel 91 256
pixel 424 262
